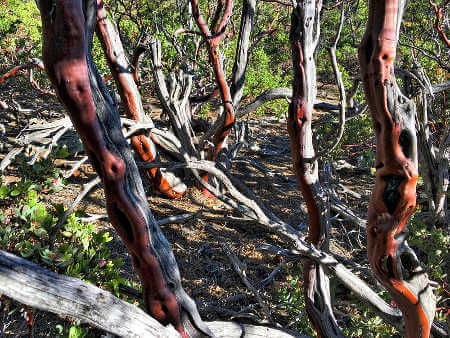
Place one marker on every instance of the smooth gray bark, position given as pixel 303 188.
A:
pixel 34 286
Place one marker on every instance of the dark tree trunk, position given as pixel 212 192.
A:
pixel 394 195
pixel 305 31
pixel 67 41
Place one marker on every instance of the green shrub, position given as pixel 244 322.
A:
pixel 79 249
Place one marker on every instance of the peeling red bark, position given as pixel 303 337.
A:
pixel 212 39
pixel 305 28
pixel 394 195
pixel 128 91
pixel 65 57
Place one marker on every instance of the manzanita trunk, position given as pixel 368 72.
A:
pixel 212 37
pixel 68 27
pixel 304 35
pixel 394 196
pixel 163 182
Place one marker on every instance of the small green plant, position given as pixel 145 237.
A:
pixel 361 322
pixel 289 295
pixel 74 330
pixel 78 249
pixel 432 246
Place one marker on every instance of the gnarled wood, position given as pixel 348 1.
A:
pixel 241 58
pixel 212 38
pixel 67 39
pixel 108 35
pixel 394 195
pixel 304 35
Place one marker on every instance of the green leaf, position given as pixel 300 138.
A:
pixel 85 242
pixel 3 191
pixel 27 252
pixel 40 232
pixel 60 329
pixel 67 234
pixel 14 193
pixel 62 152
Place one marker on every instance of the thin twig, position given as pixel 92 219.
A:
pixel 86 189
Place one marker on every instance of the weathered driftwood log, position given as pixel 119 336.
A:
pixel 394 195
pixel 67 39
pixel 34 286
pixel 304 36
pixel 162 182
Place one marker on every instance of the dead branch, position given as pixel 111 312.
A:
pixel 301 247
pixel 280 2
pixel 241 57
pixel 34 286
pixel 240 268
pixel 86 189
pixel 39 288
pixel 75 167
pixel 276 94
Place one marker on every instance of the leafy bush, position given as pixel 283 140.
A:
pixel 20 30
pixel 27 229
pixel 362 322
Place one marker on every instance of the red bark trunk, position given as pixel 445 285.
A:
pixel 305 30
pixel 212 41
pixel 67 36
pixel 394 195
pixel 129 93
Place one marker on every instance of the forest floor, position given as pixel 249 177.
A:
pixel 206 271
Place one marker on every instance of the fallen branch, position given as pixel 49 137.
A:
pixel 301 248
pixel 34 286
pixel 239 267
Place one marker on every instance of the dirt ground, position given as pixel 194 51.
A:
pixel 206 271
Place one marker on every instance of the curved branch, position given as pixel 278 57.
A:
pixel 340 83
pixel 304 33
pixel 437 23
pixel 277 94
pixel 34 63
